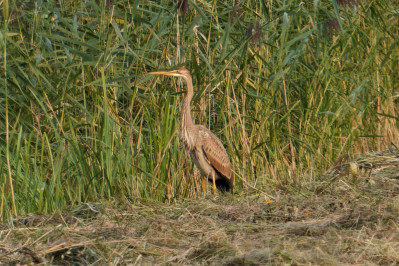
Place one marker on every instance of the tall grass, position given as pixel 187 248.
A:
pixel 287 87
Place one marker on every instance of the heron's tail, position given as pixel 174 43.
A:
pixel 224 185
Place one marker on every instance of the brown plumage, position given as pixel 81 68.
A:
pixel 205 149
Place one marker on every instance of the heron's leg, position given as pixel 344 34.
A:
pixel 204 186
pixel 213 184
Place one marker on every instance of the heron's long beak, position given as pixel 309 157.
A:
pixel 171 72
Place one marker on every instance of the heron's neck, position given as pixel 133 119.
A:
pixel 186 121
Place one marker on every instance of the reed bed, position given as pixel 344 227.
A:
pixel 289 87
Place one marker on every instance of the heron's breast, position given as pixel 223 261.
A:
pixel 187 139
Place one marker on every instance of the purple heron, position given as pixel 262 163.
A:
pixel 205 149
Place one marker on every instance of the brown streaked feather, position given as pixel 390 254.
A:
pixel 215 152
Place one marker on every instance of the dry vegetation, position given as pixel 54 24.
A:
pixel 91 169
pixel 345 221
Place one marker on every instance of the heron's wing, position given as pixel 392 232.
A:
pixel 215 152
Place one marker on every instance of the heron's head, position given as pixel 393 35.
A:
pixel 176 72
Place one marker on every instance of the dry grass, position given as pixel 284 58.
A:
pixel 345 221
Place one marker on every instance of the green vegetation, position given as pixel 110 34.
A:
pixel 343 225
pixel 287 88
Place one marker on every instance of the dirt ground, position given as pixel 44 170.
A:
pixel 351 216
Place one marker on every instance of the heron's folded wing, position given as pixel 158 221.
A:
pixel 216 153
